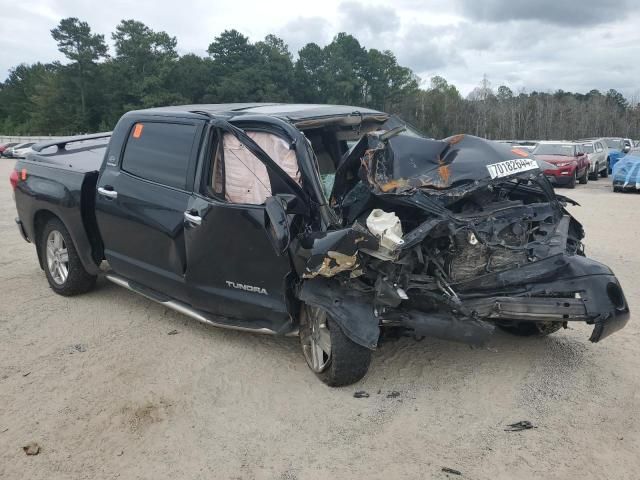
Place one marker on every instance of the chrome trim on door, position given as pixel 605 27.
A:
pixel 108 193
pixel 193 219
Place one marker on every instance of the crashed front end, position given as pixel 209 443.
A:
pixel 449 239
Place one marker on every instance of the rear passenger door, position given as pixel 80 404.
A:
pixel 143 193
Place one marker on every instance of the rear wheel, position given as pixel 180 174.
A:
pixel 330 354
pixel 62 266
pixel 530 329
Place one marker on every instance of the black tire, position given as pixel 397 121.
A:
pixel 584 179
pixel 78 280
pixel 530 329
pixel 596 173
pixel 605 173
pixel 348 363
pixel 609 169
pixel 572 183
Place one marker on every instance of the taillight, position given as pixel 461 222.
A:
pixel 13 179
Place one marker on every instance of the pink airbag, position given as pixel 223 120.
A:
pixel 246 177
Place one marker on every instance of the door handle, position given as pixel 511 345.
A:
pixel 192 219
pixel 105 192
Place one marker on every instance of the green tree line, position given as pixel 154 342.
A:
pixel 96 86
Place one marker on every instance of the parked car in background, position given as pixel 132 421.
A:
pixel 19 151
pixel 597 152
pixel 6 146
pixel 569 160
pixel 626 173
pixel 527 145
pixel 617 150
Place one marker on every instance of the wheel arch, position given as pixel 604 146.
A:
pixel 40 218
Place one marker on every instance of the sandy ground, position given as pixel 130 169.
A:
pixel 99 384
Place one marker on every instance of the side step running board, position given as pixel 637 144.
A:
pixel 187 310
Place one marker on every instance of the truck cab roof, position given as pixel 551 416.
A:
pixel 303 116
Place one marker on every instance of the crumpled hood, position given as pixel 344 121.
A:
pixel 404 163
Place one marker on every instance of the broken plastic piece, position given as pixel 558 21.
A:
pixel 452 471
pixel 387 228
pixel 519 426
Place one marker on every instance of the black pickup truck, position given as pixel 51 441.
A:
pixel 341 225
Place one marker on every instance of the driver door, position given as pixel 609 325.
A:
pixel 232 268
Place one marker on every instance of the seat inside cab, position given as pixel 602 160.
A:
pixel 240 177
pixel 332 138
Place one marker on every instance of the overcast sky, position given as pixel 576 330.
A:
pixel 574 45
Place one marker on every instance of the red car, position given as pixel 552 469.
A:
pixel 4 146
pixel 569 160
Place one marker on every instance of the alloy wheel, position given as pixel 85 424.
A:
pixel 315 339
pixel 57 257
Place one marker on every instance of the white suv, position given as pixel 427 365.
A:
pixel 597 152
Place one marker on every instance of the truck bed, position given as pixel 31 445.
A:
pixel 59 178
pixel 83 154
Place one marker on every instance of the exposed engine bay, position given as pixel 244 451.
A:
pixel 451 238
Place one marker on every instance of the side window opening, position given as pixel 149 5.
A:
pixel 238 176
pixel 160 152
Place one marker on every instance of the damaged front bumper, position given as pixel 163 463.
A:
pixel 480 250
pixel 584 291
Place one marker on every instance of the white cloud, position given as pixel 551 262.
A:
pixel 524 44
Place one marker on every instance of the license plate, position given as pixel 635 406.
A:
pixel 509 167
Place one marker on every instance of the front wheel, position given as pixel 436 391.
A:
pixel 330 354
pixel 605 172
pixel 572 182
pixel 62 266
pixel 530 329
pixel 584 179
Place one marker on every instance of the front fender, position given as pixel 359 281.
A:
pixel 352 311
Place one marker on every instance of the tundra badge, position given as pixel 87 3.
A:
pixel 248 288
